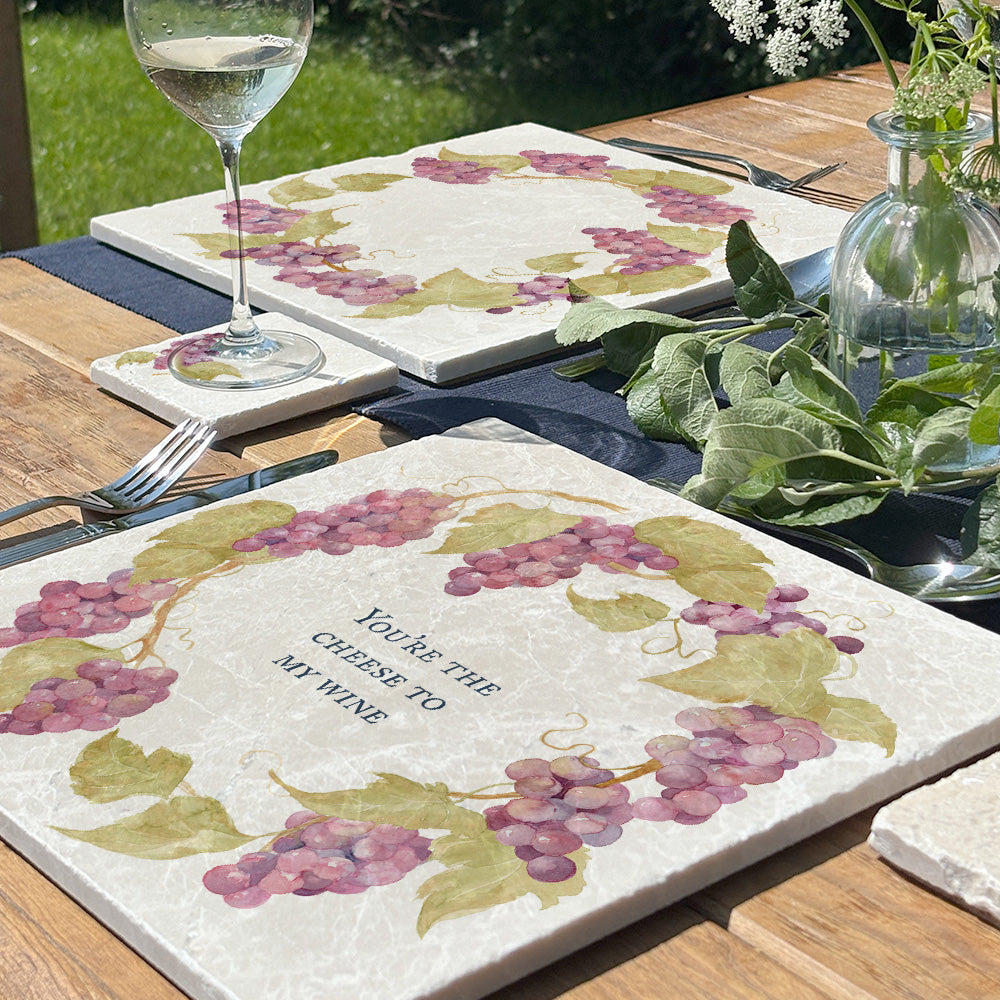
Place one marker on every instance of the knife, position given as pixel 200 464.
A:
pixel 189 501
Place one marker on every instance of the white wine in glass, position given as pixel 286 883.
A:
pixel 225 64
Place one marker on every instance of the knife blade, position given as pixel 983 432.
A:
pixel 236 486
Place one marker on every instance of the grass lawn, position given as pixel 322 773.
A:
pixel 104 139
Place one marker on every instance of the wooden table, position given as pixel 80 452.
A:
pixel 824 920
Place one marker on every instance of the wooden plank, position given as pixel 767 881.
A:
pixel 856 929
pixel 52 949
pixel 57 434
pixel 675 954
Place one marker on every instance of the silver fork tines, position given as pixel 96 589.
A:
pixel 757 176
pixel 142 485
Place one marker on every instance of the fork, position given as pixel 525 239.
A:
pixel 757 176
pixel 937 583
pixel 142 485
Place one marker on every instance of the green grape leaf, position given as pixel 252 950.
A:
pixel 506 163
pixel 315 225
pixel 34 661
pixel 299 189
pixel 454 288
pixel 204 541
pixel 205 371
pixel 555 263
pixel 112 768
pixel 714 562
pixel 135 358
pixel 393 799
pixel 177 828
pixel 483 873
pixel 504 524
pixel 702 241
pixel 625 613
pixel 645 180
pixel 854 719
pixel 215 244
pixel 666 279
pixel 368 182
pixel 783 674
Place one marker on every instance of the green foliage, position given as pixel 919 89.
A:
pixel 382 76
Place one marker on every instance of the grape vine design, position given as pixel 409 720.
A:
pixel 299 247
pixel 761 683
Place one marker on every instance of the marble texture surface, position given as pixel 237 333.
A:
pixel 354 684
pixel 946 835
pixel 460 250
pixel 349 372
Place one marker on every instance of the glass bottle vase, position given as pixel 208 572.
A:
pixel 914 284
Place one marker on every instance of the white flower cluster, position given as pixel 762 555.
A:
pixel 800 25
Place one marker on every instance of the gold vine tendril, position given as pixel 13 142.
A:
pixel 851 673
pixel 590 748
pixel 647 645
pixel 273 788
pixel 853 622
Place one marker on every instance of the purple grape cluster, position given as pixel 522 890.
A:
pixel 778 616
pixel 356 288
pixel 642 251
pixel 320 854
pixel 730 747
pixel 561 805
pixel 452 171
pixel 385 518
pixel 103 693
pixel 195 349
pixel 543 288
pixel 67 608
pixel 258 217
pixel 611 547
pixel 298 256
pixel 679 205
pixel 568 164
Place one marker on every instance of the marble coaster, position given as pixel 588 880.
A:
pixel 140 376
pixel 946 834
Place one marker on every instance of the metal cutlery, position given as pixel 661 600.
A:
pixel 142 485
pixel 936 583
pixel 59 540
pixel 757 176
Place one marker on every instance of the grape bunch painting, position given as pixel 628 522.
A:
pixel 304 236
pixel 753 659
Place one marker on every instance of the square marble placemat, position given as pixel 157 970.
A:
pixel 139 376
pixel 946 836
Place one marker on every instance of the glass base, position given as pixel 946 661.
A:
pixel 279 359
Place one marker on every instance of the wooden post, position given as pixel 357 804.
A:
pixel 18 222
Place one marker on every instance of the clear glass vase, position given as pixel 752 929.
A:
pixel 914 283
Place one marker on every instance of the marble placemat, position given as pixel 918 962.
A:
pixel 947 835
pixel 416 725
pixel 140 376
pixel 457 256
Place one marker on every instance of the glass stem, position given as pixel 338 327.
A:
pixel 243 329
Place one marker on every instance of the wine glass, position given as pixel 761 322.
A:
pixel 225 64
